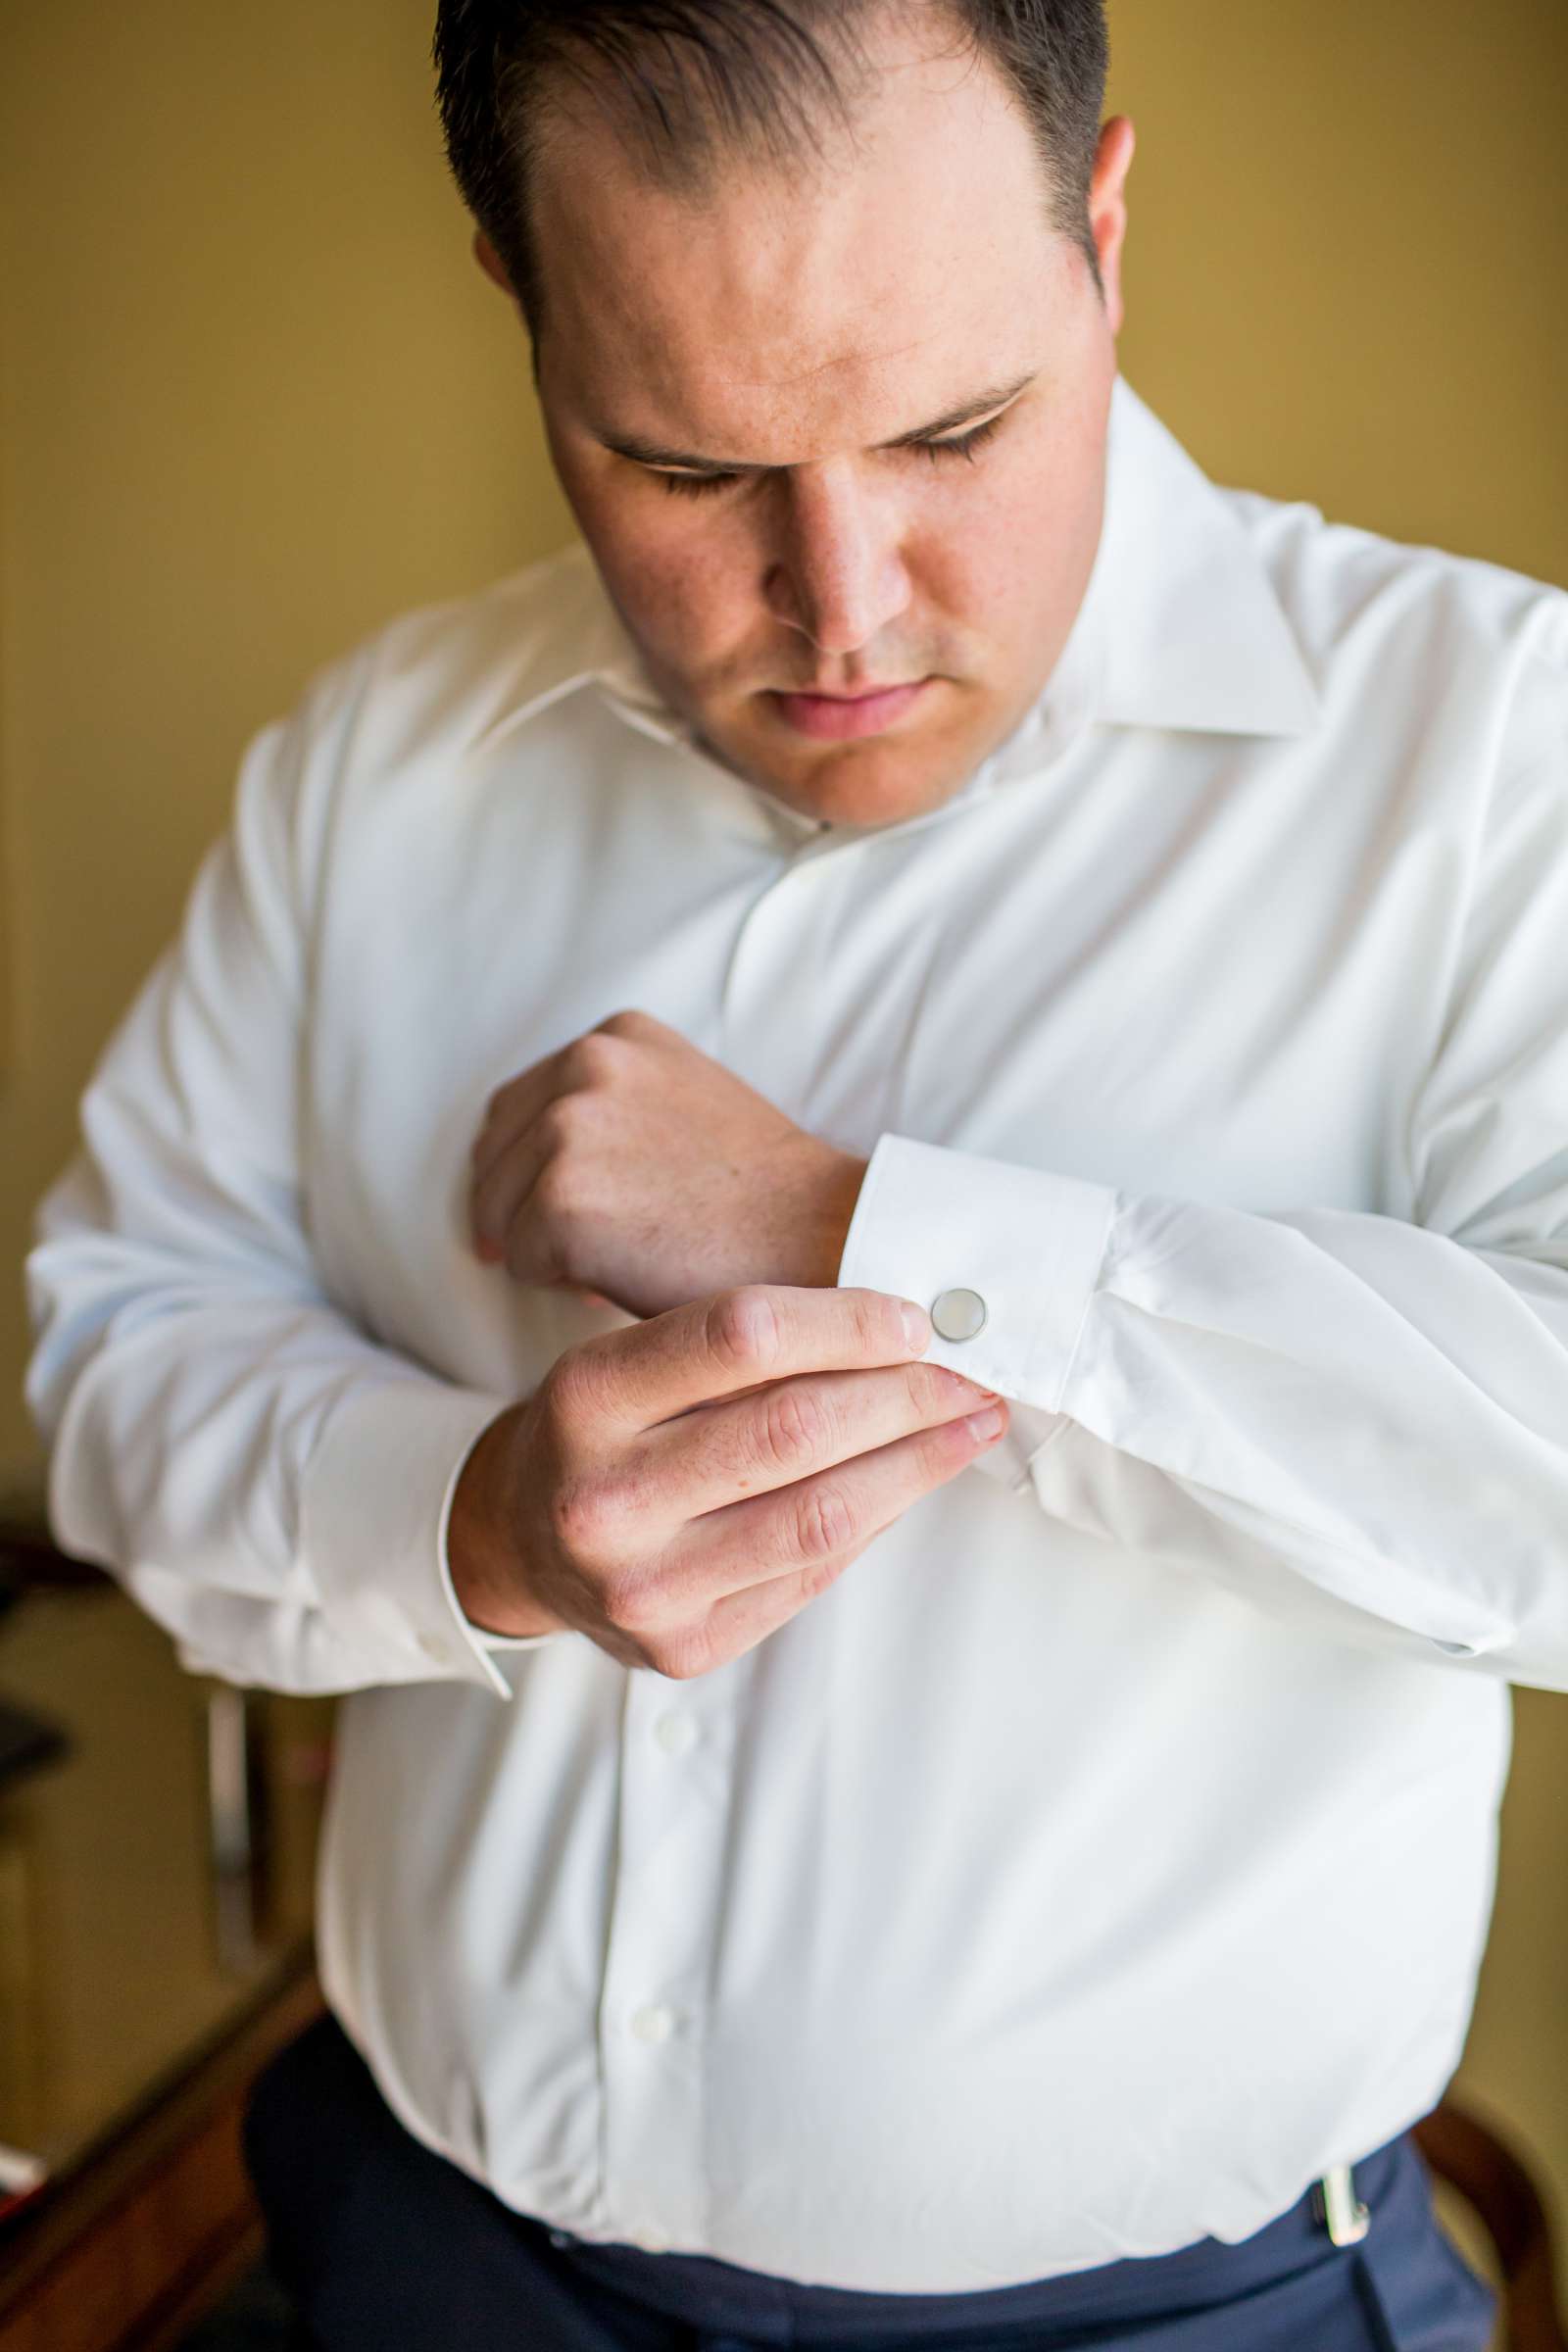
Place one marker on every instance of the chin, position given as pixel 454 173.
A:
pixel 854 803
pixel 870 785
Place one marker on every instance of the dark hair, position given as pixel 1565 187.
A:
pixel 692 81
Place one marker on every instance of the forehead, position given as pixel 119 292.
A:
pixel 780 312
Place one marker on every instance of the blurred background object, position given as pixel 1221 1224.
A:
pixel 156 1866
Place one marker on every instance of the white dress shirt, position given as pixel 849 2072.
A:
pixel 1111 1849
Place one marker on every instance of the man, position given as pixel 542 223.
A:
pixel 929 849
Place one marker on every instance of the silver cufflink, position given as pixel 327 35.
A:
pixel 958 1314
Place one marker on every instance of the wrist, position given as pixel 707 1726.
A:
pixel 835 1207
pixel 485 1551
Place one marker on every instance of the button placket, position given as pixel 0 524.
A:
pixel 674 1805
pixel 676 1732
pixel 769 1036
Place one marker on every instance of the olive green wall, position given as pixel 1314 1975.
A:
pixel 255 396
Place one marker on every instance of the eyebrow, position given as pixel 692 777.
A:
pixel 653 452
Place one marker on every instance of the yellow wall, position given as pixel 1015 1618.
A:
pixel 255 396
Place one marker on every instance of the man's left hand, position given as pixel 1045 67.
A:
pixel 633 1166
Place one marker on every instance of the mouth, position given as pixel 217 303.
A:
pixel 834 717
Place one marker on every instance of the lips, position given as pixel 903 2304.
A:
pixel 837 716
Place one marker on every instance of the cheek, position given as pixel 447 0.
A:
pixel 1031 541
pixel 653 560
pixel 682 586
pixel 981 559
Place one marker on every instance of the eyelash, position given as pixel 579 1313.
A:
pixel 697 485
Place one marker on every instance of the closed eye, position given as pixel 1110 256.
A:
pixel 960 445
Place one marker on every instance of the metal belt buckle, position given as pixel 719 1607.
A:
pixel 1339 2208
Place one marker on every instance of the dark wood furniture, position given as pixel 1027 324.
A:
pixel 151 2230
pixel 1494 2181
pixel 156 1896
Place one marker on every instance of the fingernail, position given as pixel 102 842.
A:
pixel 916 1325
pixel 986 1424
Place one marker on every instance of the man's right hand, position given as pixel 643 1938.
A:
pixel 679 1489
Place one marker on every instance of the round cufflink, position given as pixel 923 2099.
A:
pixel 958 1314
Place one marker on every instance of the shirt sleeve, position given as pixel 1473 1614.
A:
pixel 269 1483
pixel 1356 1419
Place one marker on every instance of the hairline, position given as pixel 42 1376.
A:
pixel 698 178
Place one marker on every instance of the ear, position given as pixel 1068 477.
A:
pixel 1107 206
pixel 490 261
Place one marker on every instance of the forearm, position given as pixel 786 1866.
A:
pixel 832 1212
pixel 1326 1395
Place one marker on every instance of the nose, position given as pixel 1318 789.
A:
pixel 838 576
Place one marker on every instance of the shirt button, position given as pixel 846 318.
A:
pixel 676 1733
pixel 654 2023
pixel 433 1646
pixel 958 1314
pixel 651 2240
pixel 561 2237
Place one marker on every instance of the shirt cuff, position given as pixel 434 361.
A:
pixel 377 1499
pixel 1030 1244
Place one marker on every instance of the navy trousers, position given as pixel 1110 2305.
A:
pixel 387 2247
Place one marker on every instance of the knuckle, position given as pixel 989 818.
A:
pixel 825 1521
pixel 591 1058
pixel 630 1602
pixel 578 1518
pixel 743 1332
pixel 878 1324
pixel 938 1393
pixel 553 1257
pixel 679 1657
pixel 574 1393
pixel 817 1575
pixel 554 1127
pixel 942 1449
pixel 546 1244
pixel 793 1426
pixel 557 1193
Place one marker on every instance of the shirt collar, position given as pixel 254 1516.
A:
pixel 1191 631
pixel 1180 625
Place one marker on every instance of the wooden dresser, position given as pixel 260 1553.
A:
pixel 157 1867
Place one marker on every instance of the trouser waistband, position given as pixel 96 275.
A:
pixel 703 2290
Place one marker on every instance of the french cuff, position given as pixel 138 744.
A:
pixel 375 1499
pixel 1028 1245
